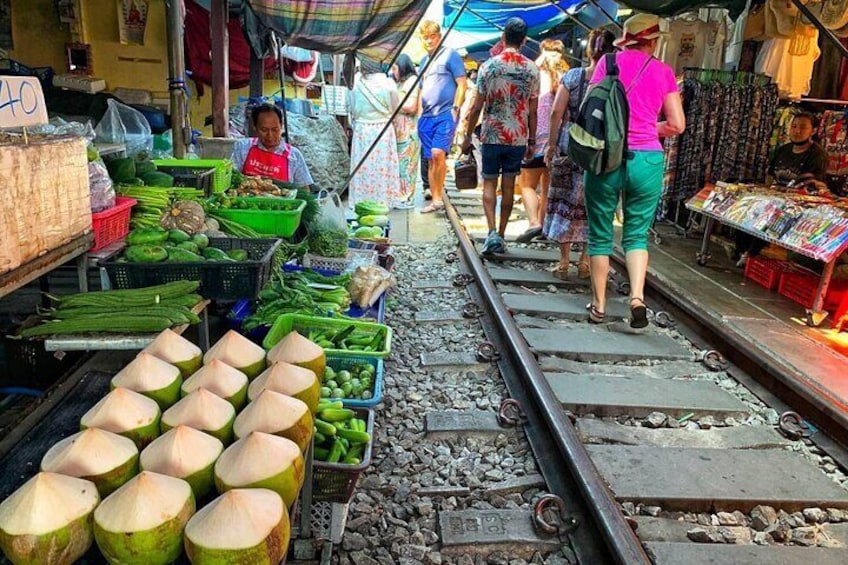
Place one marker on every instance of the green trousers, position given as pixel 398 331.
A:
pixel 639 183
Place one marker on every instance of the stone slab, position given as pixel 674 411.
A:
pixel 533 278
pixel 569 306
pixel 606 395
pixel 441 316
pixel 719 554
pixel 597 431
pixel 602 345
pixel 484 531
pixel 432 283
pixel 518 484
pixel 668 370
pixel 701 480
pixel 454 423
pixel 526 254
pixel 450 359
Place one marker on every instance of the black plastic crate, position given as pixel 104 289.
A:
pixel 336 482
pixel 218 280
pixel 200 178
pixel 29 365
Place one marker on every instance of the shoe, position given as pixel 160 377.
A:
pixel 500 245
pixel 428 195
pixel 528 236
pixel 595 315
pixel 638 314
pixel 583 270
pixel 403 206
pixel 434 206
pixel 494 244
pixel 560 272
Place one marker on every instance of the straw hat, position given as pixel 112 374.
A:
pixel 639 29
pixel 833 14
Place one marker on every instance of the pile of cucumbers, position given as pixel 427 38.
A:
pixel 340 437
pixel 156 245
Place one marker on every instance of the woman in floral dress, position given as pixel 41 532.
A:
pixel 408 146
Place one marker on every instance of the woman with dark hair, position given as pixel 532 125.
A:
pixel 565 215
pixel 408 146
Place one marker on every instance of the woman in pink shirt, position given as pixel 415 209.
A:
pixel 651 87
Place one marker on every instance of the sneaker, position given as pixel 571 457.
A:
pixel 500 245
pixel 493 244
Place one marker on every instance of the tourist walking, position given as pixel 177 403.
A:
pixel 408 147
pixel 650 87
pixel 443 88
pixel 372 102
pixel 508 87
pixel 564 221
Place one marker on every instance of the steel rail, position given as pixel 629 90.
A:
pixel 620 538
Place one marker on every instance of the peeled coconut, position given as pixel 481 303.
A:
pixel 278 414
pixel 143 521
pixel 240 526
pixel 262 460
pixel 237 351
pixel 297 350
pixel 171 347
pixel 48 520
pixel 290 380
pixel 152 377
pixel 202 411
pixel 184 453
pixel 127 413
pixel 219 378
pixel 106 459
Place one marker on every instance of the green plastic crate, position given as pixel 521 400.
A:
pixel 282 223
pixel 221 179
pixel 288 323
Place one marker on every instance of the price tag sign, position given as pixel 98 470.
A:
pixel 21 102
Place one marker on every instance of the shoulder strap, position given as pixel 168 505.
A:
pixel 372 97
pixel 612 67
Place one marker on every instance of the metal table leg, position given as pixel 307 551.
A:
pixel 203 330
pixel 816 315
pixel 82 272
pixel 704 255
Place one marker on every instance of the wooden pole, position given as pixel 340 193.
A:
pixel 219 33
pixel 176 81
pixel 257 75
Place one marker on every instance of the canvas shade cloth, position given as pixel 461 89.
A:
pixel 672 7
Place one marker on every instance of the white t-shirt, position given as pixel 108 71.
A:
pixel 792 73
pixel 686 44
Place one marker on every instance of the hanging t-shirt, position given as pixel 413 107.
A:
pixel 714 48
pixel 686 44
pixel 788 64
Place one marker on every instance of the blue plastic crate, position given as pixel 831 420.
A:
pixel 341 362
pixel 235 319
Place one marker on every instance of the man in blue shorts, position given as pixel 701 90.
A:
pixel 508 86
pixel 442 92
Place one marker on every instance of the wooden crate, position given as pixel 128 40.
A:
pixel 44 196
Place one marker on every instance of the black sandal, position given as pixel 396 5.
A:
pixel 595 315
pixel 638 314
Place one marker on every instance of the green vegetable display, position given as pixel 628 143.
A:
pixel 328 243
pixel 350 338
pixel 147 236
pixel 374 220
pixel 340 436
pixel 154 245
pixel 157 178
pixel 357 383
pixel 121 170
pixel 370 208
pixel 145 254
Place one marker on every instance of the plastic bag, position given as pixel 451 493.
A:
pixel 123 124
pixel 328 230
pixel 58 126
pixel 100 186
pixel 368 284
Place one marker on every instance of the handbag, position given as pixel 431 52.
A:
pixel 465 171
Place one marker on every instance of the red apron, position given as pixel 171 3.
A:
pixel 261 163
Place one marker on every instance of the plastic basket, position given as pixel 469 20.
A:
pixel 29 365
pixel 282 223
pixel 335 482
pixel 218 280
pixel 288 323
pixel 801 287
pixel 767 272
pixel 358 257
pixel 345 362
pixel 218 181
pixel 113 224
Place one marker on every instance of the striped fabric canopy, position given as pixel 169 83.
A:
pixel 375 29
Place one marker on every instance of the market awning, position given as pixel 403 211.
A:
pixel 672 7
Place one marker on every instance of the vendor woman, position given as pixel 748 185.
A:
pixel 798 166
pixel 268 155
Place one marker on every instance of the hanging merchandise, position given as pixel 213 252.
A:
pixel 132 21
pixel 790 61
pixel 686 44
pixel 833 134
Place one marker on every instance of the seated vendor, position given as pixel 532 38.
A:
pixel 268 155
pixel 796 167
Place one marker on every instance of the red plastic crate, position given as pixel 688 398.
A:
pixel 801 287
pixel 767 272
pixel 113 224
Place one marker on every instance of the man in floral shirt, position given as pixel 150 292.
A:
pixel 508 86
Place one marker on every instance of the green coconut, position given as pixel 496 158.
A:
pixel 240 526
pixel 237 351
pixel 278 414
pixel 152 377
pixel 221 379
pixel 127 413
pixel 171 347
pixel 104 458
pixel 290 380
pixel 48 520
pixel 202 411
pixel 297 350
pixel 184 453
pixel 262 460
pixel 142 522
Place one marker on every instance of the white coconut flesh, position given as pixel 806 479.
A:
pixel 257 457
pixel 235 350
pixel 295 349
pixel 145 502
pixel 46 503
pixel 218 378
pixel 284 378
pixel 146 373
pixel 171 347
pixel 271 413
pixel 89 453
pixel 201 410
pixel 121 410
pixel 181 452
pixel 238 519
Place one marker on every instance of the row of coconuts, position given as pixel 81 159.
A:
pixel 177 428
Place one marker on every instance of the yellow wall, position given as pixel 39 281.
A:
pixel 38 36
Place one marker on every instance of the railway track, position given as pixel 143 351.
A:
pixel 656 449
